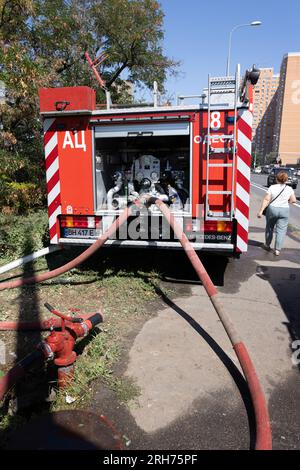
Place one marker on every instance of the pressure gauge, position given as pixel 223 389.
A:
pixel 154 175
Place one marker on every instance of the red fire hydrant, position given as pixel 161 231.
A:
pixel 59 345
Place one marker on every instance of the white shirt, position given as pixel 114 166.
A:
pixel 283 199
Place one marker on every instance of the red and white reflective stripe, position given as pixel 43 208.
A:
pixel 244 140
pixel 52 176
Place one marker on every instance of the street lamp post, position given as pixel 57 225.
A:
pixel 255 158
pixel 253 23
pixel 276 151
pixel 275 147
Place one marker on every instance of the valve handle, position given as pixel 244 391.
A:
pixel 49 307
pixel 55 312
pixel 61 315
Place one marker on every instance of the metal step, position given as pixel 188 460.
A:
pixel 220 165
pixel 224 137
pixel 222 85
pixel 222 150
pixel 223 219
pixel 219 192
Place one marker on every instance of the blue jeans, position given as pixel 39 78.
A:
pixel 278 218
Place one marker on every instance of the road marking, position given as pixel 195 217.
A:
pixel 263 189
pixel 259 187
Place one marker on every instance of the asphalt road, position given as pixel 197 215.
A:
pixel 259 187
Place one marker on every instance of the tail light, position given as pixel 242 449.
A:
pixel 218 226
pixel 80 221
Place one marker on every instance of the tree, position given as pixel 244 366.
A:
pixel 131 34
pixel 271 157
pixel 257 158
pixel 42 44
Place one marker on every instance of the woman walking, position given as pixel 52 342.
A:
pixel 276 202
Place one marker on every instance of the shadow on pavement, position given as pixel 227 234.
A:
pixel 236 375
pixel 286 284
pixel 67 430
pixel 169 264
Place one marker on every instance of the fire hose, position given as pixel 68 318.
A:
pixel 41 325
pixel 263 427
pixel 75 262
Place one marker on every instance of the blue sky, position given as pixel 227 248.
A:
pixel 197 33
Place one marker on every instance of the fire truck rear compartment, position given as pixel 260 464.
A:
pixel 141 162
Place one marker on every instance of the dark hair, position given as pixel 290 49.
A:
pixel 282 177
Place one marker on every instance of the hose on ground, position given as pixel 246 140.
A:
pixel 263 426
pixel 41 325
pixel 75 262
pixel 17 372
pixel 28 258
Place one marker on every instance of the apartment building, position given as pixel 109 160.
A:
pixel 287 127
pixel 264 111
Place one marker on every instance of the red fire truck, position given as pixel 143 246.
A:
pixel 196 158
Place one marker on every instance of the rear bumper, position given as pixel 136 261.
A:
pixel 175 245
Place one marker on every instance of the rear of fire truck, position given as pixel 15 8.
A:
pixel 195 158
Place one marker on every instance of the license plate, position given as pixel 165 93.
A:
pixel 81 233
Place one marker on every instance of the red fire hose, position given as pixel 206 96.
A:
pixel 41 325
pixel 263 426
pixel 17 372
pixel 75 262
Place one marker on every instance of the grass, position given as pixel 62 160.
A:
pixel 14 231
pixel 96 363
pixel 10 422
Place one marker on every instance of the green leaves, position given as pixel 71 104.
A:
pixel 42 44
pixel 131 32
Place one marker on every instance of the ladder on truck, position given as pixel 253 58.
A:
pixel 221 86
